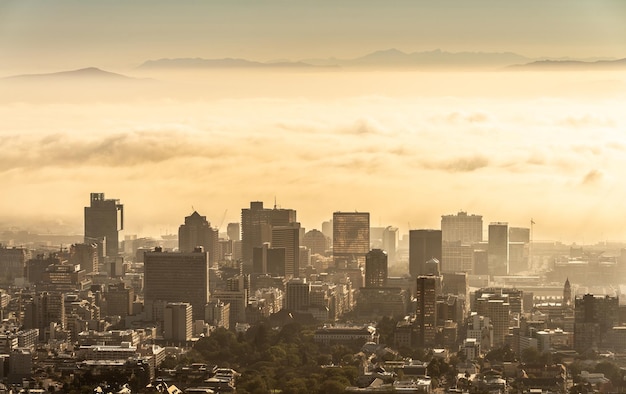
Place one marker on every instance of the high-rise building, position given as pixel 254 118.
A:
pixel 178 323
pixel 594 317
pixel 390 242
pixel 287 237
pixel 268 260
pixel 351 238
pixel 462 227
pixel 176 277
pixel 256 228
pixel 316 241
pixel 103 221
pixel 423 246
pixel 376 268
pixel 428 288
pixel 233 231
pixel 86 255
pixel 519 248
pixel 498 251
pixel 197 231
pixel 298 294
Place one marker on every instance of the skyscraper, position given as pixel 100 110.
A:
pixel 390 242
pixel 428 288
pixel 423 246
pixel 233 231
pixel 176 277
pixel 351 238
pixel 256 228
pixel 103 221
pixel 498 251
pixel 197 231
pixel 376 268
pixel 178 321
pixel 594 317
pixel 462 227
pixel 287 237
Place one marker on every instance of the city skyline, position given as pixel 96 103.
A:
pixel 407 146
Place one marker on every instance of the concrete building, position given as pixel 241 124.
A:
pixel 233 231
pixel 316 241
pixel 176 277
pixel 594 318
pixel 390 242
pixel 351 238
pixel 178 322
pixel 464 228
pixel 197 231
pixel 103 221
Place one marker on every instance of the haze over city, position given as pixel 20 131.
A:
pixel 407 142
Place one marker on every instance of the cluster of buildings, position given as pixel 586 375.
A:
pixel 102 300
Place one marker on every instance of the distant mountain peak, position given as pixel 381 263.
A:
pixel 87 72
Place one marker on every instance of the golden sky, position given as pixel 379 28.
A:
pixel 406 146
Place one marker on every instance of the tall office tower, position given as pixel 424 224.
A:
pixel 256 228
pixel 428 288
pixel 327 230
pixel 498 251
pixel 457 257
pixel 13 262
pixel 197 231
pixel 86 255
pixel 268 260
pixel 423 246
pixel 287 237
pixel 351 238
pixel 176 277
pixel 462 227
pixel 298 295
pixel 316 241
pixel 178 323
pixel 233 232
pixel 390 242
pixel 594 317
pixel 103 221
pixel 376 268
pixel 519 246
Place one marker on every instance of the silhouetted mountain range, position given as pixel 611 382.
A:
pixel 181 63
pixel 83 73
pixel 572 65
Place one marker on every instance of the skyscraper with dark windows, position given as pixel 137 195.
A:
pixel 428 288
pixel 175 277
pixel 498 250
pixel 423 246
pixel 351 238
pixel 197 231
pixel 256 228
pixel 376 268
pixel 103 221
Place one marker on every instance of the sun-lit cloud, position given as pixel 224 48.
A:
pixel 405 157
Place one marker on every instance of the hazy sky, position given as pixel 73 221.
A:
pixel 76 33
pixel 406 146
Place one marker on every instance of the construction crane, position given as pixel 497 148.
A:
pixel 222 221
